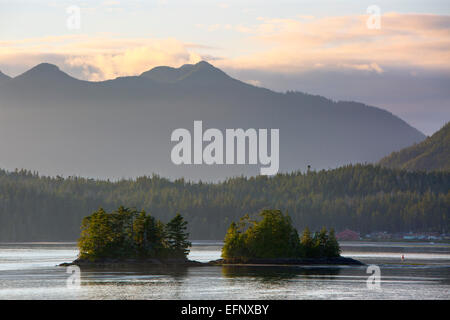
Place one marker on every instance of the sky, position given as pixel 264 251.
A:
pixel 391 54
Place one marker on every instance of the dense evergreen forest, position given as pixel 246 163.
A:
pixel 432 154
pixel 365 198
pixel 131 234
pixel 274 237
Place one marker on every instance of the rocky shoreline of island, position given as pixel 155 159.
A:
pixel 107 262
pixel 336 261
pixel 289 261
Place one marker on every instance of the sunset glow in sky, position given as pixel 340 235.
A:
pixel 320 47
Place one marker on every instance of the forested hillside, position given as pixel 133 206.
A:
pixel 431 154
pixel 361 197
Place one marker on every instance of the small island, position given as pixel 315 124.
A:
pixel 130 237
pixel 127 236
pixel 273 240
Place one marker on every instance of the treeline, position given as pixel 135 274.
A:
pixel 365 198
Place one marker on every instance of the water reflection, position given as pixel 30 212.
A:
pixel 138 275
pixel 276 273
pixel 30 272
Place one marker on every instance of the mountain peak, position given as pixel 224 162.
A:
pixel 207 67
pixel 204 64
pixel 201 71
pixel 44 71
pixel 43 68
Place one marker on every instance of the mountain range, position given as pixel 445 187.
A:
pixel 59 125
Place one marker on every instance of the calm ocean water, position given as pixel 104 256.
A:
pixel 29 271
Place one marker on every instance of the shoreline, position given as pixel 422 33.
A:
pixel 335 261
pixel 289 261
pixel 133 262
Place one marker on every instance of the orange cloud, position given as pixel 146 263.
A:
pixel 283 45
pixel 101 57
pixel 345 42
pixel 113 61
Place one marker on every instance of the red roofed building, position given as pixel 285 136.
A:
pixel 347 235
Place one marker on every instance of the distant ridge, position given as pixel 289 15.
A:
pixel 432 154
pixel 57 124
pixel 201 71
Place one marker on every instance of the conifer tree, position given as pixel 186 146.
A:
pixel 307 245
pixel 332 248
pixel 177 237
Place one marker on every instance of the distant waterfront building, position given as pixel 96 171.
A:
pixel 348 235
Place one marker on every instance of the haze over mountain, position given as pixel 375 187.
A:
pixel 4 77
pixel 56 124
pixel 432 154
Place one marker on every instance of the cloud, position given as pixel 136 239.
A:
pixel 111 3
pixel 98 58
pixel 134 59
pixel 300 44
pixel 255 83
pixel 365 67
pixel 304 43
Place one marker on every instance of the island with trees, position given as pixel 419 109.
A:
pixel 274 240
pixel 128 236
